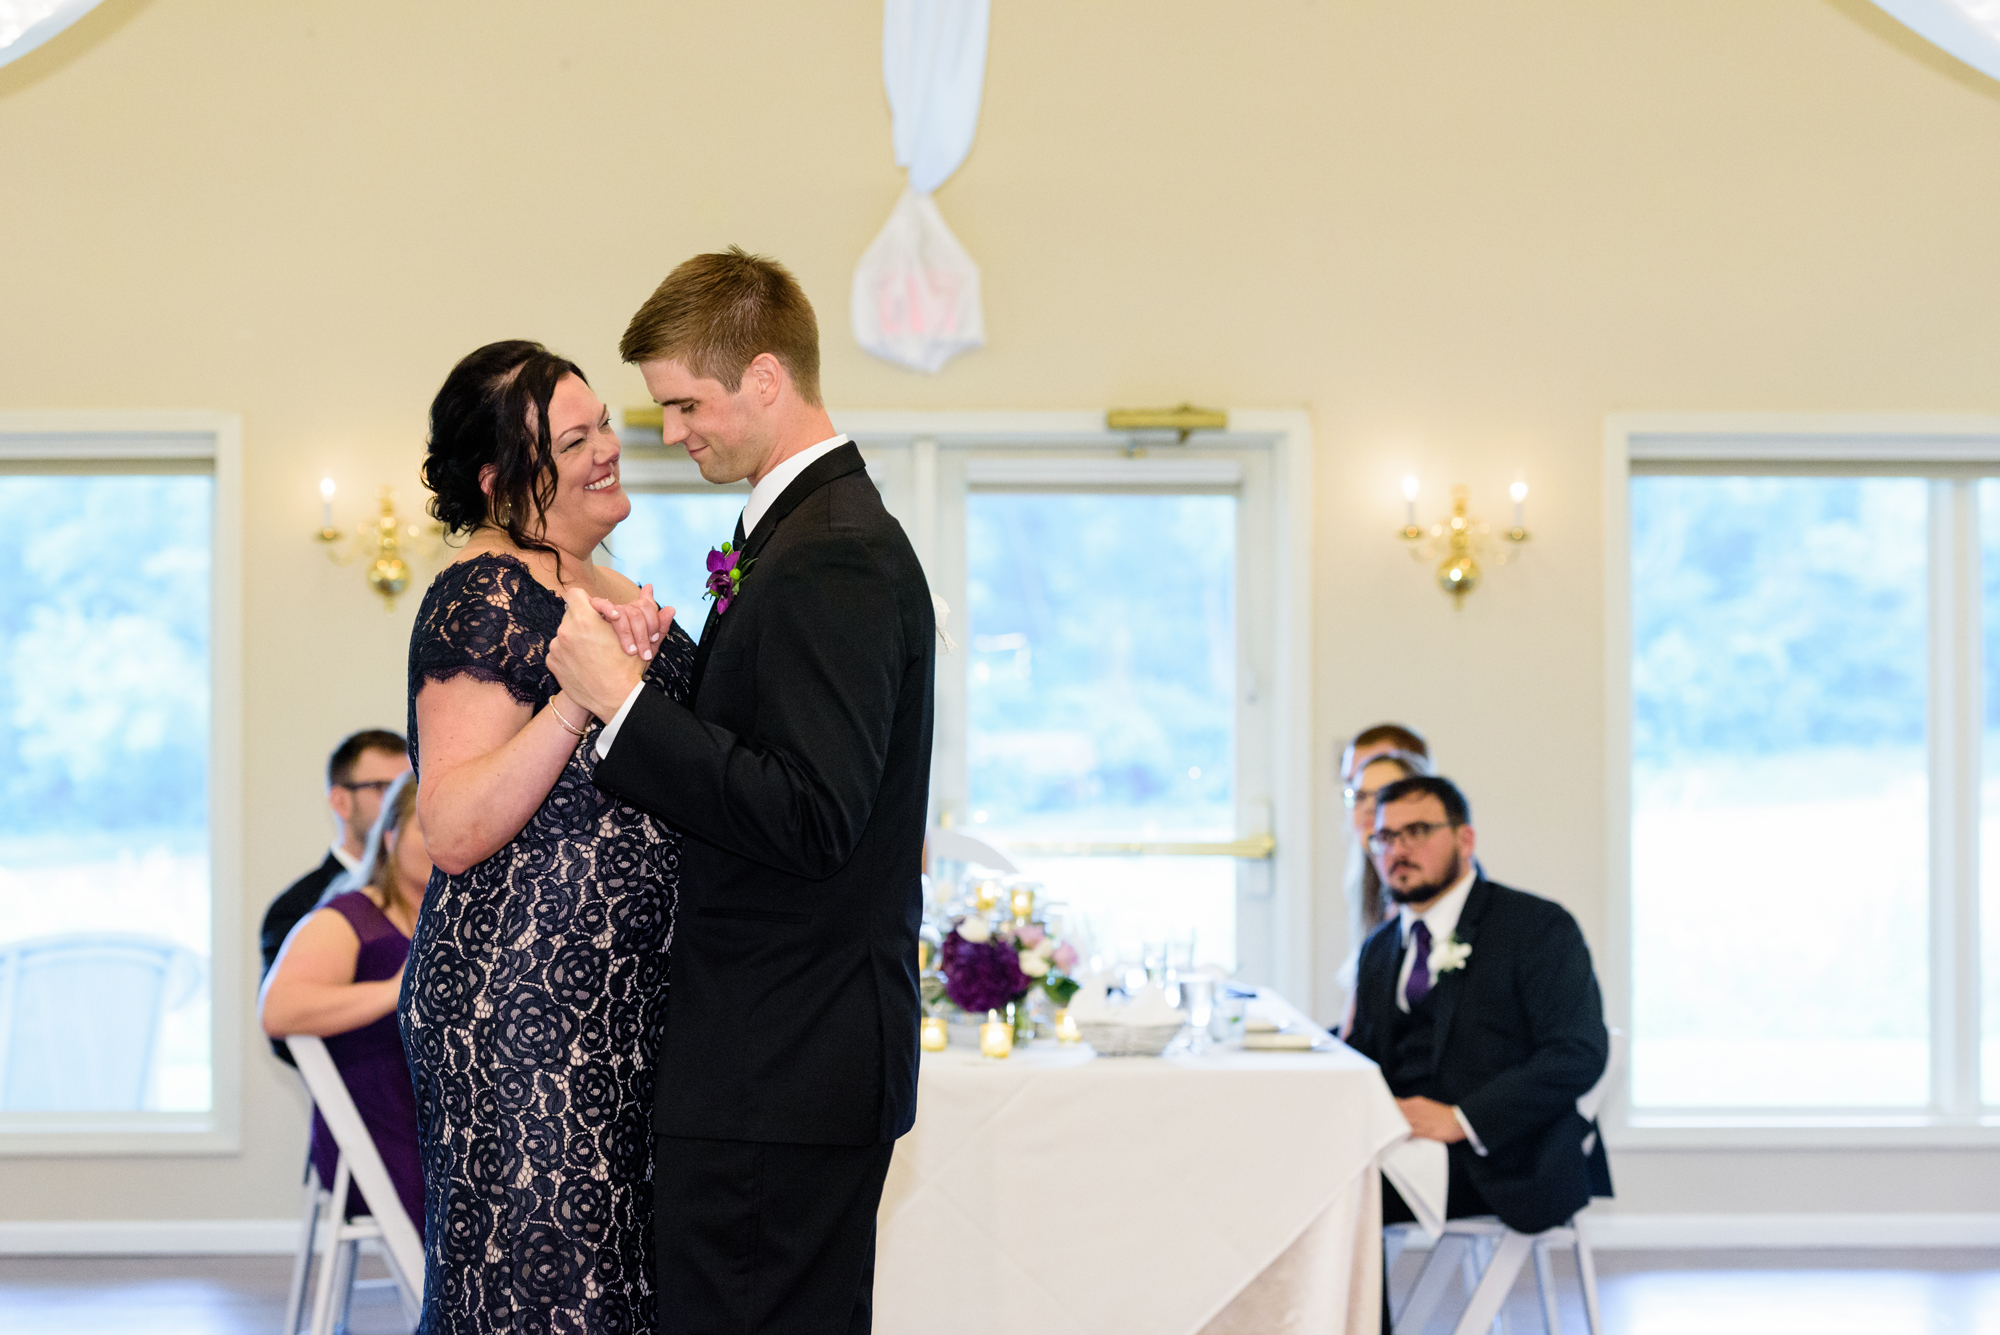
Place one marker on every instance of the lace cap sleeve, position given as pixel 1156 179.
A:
pixel 486 618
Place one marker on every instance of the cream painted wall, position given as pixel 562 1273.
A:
pixel 1460 232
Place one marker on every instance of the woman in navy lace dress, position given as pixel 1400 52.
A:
pixel 537 975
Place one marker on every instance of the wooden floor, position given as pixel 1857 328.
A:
pixel 1644 1293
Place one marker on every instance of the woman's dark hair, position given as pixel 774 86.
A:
pixel 481 417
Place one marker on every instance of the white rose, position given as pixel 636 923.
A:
pixel 1046 947
pixel 974 930
pixel 1034 965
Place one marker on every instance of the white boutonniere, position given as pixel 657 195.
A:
pixel 1449 954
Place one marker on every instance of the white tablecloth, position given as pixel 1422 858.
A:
pixel 1158 1196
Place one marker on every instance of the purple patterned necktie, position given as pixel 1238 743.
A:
pixel 1419 985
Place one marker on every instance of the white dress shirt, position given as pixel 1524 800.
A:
pixel 763 496
pixel 341 855
pixel 1441 920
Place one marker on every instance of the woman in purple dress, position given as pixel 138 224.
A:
pixel 338 976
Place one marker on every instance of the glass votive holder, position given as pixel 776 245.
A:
pixel 1067 1030
pixel 985 895
pixel 934 1036
pixel 1022 903
pixel 996 1037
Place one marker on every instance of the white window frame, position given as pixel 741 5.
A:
pixel 213 442
pixel 1952 451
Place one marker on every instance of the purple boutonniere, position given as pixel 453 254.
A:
pixel 726 569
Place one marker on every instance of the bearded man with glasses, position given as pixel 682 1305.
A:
pixel 1480 1005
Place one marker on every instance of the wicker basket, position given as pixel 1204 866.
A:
pixel 1126 1040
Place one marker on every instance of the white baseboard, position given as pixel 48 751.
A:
pixel 1732 1232
pixel 1790 1232
pixel 1607 1232
pixel 148 1237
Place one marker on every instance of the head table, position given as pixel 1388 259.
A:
pixel 1055 1190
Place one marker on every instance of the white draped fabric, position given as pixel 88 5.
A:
pixel 916 291
pixel 26 24
pixel 1234 1192
pixel 1967 29
pixel 934 64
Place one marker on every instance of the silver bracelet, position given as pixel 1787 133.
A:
pixel 568 727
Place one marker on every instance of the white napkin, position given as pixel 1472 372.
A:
pixel 1420 1170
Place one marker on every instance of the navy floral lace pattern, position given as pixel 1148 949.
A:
pixel 530 1011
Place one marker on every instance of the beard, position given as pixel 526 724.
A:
pixel 1418 894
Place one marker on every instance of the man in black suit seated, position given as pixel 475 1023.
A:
pixel 358 772
pixel 1481 1007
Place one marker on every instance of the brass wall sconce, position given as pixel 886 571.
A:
pixel 381 543
pixel 1458 544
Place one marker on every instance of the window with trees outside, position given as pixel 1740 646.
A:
pixel 1813 640
pixel 108 781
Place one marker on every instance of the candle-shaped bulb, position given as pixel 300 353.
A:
pixel 1409 507
pixel 1519 491
pixel 326 503
pixel 326 488
pixel 1409 489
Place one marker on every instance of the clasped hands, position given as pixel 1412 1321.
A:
pixel 601 649
pixel 1430 1120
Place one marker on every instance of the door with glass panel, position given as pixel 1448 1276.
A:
pixel 1099 716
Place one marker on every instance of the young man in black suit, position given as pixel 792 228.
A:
pixel 1481 1007
pixel 358 772
pixel 800 772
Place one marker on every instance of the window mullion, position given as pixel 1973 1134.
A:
pixel 1954 777
pixel 1968 698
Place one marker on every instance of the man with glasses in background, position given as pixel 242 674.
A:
pixel 1480 1005
pixel 358 772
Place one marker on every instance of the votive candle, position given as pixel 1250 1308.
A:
pixel 1067 1029
pixel 996 1037
pixel 1022 901
pixel 934 1035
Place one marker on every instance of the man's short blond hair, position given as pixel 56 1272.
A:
pixel 716 313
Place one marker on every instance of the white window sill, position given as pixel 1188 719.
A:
pixel 105 1135
pixel 1800 1131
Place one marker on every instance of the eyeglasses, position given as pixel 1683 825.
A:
pixel 1359 798
pixel 376 786
pixel 1412 834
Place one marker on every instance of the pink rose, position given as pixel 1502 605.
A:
pixel 1032 934
pixel 1065 957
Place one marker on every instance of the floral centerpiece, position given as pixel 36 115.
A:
pixel 983 968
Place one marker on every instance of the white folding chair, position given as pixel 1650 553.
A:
pixel 1493 1254
pixel 316 1198
pixel 339 1239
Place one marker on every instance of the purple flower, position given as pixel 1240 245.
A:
pixel 980 978
pixel 725 575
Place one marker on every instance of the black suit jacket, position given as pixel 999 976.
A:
pixel 801 777
pixel 286 910
pixel 1519 1037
